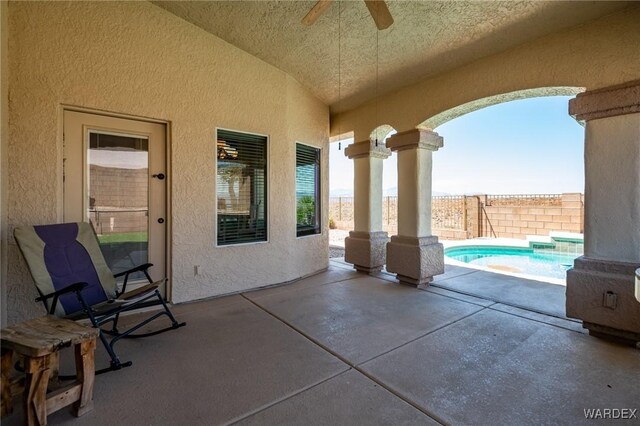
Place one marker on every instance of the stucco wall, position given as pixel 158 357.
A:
pixel 137 59
pixel 598 54
pixel 4 121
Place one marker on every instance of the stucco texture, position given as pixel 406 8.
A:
pixel 4 124
pixel 597 54
pixel 427 37
pixel 137 59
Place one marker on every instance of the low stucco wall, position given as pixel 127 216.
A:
pixel 135 58
pixel 597 54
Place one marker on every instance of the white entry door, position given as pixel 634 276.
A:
pixel 115 179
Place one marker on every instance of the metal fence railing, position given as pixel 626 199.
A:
pixel 448 212
pixel 389 210
pixel 465 213
pixel 524 200
pixel 119 220
pixel 341 209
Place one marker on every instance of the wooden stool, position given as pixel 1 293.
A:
pixel 38 341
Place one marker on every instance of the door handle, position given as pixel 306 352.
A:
pixel 161 220
pixel 159 176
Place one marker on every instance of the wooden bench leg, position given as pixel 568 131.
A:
pixel 7 397
pixel 35 389
pixel 85 370
pixel 54 366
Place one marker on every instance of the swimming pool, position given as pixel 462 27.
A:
pixel 550 262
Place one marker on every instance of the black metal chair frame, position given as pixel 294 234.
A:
pixel 100 318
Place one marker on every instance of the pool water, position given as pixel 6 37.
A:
pixel 544 262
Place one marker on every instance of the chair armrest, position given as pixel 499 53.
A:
pixel 139 268
pixel 67 289
pixel 76 287
pixel 141 291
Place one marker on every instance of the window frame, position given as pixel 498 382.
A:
pixel 319 187
pixel 267 189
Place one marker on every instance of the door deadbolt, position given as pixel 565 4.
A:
pixel 159 176
pixel 161 220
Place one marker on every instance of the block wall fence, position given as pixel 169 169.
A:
pixel 118 199
pixel 500 216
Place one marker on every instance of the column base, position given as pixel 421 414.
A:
pixel 366 250
pixel 415 260
pixel 601 294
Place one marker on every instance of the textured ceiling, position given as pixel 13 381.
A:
pixel 427 38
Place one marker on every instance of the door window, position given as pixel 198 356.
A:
pixel 118 198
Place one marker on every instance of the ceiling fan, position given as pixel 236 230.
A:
pixel 378 9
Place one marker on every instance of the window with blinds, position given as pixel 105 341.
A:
pixel 307 190
pixel 241 184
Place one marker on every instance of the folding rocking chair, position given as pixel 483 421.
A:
pixel 74 282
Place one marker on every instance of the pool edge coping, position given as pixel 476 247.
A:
pixel 496 243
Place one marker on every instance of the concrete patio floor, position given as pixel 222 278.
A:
pixel 346 348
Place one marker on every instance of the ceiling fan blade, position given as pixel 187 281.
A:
pixel 315 12
pixel 380 13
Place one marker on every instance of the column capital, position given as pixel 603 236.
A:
pixel 366 149
pixel 415 138
pixel 606 102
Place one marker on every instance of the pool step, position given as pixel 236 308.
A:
pixel 566 237
pixel 540 241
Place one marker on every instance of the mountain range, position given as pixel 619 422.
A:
pixel 391 192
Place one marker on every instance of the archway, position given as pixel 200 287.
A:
pixel 450 114
pixel 514 173
pixel 534 219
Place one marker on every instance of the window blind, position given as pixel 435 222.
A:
pixel 241 186
pixel 307 190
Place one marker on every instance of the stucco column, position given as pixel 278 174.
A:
pixel 600 287
pixel 414 254
pixel 365 246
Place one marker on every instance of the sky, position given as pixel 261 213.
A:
pixel 529 146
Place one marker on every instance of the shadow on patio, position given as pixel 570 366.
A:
pixel 346 348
